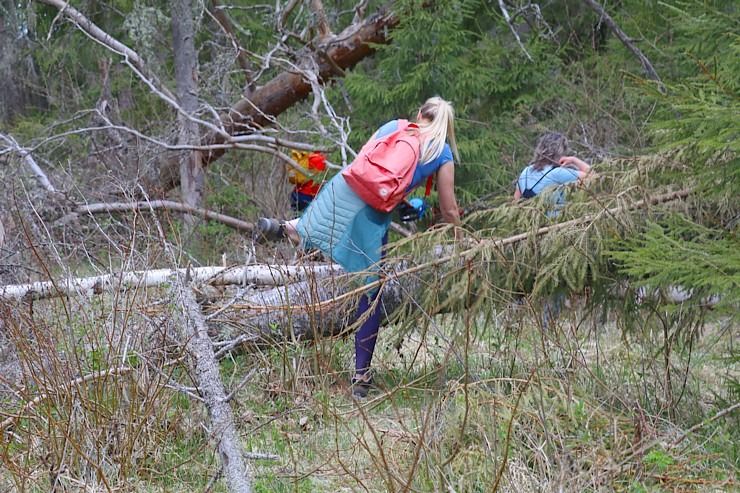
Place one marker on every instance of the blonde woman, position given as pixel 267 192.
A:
pixel 340 224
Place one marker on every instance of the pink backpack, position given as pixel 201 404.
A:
pixel 384 168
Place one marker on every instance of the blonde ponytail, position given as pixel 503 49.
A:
pixel 440 128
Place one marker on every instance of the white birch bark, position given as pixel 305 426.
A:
pixel 263 275
pixel 26 155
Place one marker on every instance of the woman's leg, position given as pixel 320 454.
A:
pixel 367 335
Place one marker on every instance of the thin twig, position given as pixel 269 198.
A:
pixel 64 387
pixel 705 422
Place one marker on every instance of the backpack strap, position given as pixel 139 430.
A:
pixel 537 182
pixel 430 180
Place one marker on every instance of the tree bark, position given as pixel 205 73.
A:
pixel 259 275
pixel 208 378
pixel 192 177
pixel 258 108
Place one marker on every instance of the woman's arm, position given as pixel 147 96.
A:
pixel 446 190
pixel 571 161
pixel 517 194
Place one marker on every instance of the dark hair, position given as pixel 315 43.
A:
pixel 550 148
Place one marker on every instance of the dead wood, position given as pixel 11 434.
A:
pixel 326 306
pixel 316 300
pixel 208 378
pixel 166 205
pixel 258 108
pixel 627 42
pixel 258 275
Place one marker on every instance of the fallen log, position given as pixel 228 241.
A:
pixel 206 371
pixel 258 108
pixel 310 309
pixel 316 300
pixel 261 275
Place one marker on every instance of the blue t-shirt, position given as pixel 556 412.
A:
pixel 548 176
pixel 422 171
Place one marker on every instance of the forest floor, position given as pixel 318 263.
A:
pixel 498 403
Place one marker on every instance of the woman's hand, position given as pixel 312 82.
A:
pixel 517 195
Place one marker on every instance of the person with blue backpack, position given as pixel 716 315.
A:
pixel 354 234
pixel 550 166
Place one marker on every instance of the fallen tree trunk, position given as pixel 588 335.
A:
pixel 207 374
pixel 312 301
pixel 307 310
pixel 261 275
pixel 258 109
pixel 326 306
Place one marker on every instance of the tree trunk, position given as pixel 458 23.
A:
pixel 192 178
pixel 211 388
pixel 10 100
pixel 311 309
pixel 259 275
pixel 256 109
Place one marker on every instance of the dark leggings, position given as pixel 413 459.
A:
pixel 367 334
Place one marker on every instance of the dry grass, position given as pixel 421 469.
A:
pixel 100 399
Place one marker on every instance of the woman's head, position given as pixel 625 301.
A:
pixel 436 119
pixel 550 148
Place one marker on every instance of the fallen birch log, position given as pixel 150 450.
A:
pixel 311 300
pixel 262 275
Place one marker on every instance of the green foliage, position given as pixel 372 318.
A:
pixel 438 421
pixel 489 85
pixel 676 252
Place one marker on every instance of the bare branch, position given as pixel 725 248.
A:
pixel 259 108
pixel 220 16
pixel 504 11
pixel 360 9
pixel 64 388
pixel 323 25
pixel 100 36
pixel 698 426
pixel 627 41
pixel 164 205
pixel 26 155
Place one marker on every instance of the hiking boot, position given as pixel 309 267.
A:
pixel 360 387
pixel 269 229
